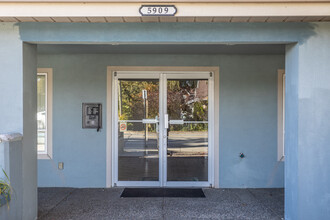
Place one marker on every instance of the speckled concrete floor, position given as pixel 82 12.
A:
pixel 71 203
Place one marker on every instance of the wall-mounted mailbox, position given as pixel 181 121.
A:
pixel 92 115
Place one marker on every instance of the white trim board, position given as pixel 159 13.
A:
pixel 280 113
pixel 129 11
pixel 49 108
pixel 110 109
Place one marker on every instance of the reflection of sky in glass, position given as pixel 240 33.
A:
pixel 41 112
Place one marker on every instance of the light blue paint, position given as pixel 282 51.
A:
pixel 188 49
pixel 29 149
pixel 248 109
pixel 11 162
pixel 307 194
pixel 167 32
pixel 18 108
pixel 307 136
pixel 291 134
pixel 11 84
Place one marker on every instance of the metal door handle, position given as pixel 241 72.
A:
pixel 166 121
pixel 176 122
pixel 149 121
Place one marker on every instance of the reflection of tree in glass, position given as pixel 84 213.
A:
pixel 131 102
pixel 188 100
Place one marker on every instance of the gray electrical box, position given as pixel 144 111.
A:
pixel 92 115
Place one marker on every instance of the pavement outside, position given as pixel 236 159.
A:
pixel 72 203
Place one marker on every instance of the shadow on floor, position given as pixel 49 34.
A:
pixel 71 203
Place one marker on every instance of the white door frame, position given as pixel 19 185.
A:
pixel 141 71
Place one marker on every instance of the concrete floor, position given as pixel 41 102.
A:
pixel 71 203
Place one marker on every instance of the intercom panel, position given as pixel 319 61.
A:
pixel 92 115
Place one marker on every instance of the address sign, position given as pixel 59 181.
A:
pixel 157 10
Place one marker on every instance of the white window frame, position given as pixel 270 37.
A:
pixel 48 153
pixel 280 114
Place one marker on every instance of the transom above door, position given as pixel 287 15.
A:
pixel 162 130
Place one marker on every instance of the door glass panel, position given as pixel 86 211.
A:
pixel 138 154
pixel 41 112
pixel 187 142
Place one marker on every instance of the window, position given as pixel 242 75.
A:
pixel 44 113
pixel 280 114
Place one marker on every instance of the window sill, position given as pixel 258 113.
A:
pixel 44 157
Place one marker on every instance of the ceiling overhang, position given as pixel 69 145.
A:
pixel 187 11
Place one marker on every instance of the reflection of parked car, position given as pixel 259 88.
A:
pixel 41 118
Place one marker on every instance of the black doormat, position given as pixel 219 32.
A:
pixel 163 192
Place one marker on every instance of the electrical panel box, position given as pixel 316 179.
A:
pixel 92 115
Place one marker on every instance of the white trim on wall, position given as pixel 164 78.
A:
pixel 101 11
pixel 109 130
pixel 49 113
pixel 110 91
pixel 280 113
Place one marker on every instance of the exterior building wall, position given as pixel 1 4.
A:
pixel 307 187
pixel 307 62
pixel 11 73
pixel 11 162
pixel 248 116
pixel 187 11
pixel 18 106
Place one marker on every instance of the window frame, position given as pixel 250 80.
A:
pixel 280 114
pixel 48 153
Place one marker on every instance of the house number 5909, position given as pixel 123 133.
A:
pixel 158 10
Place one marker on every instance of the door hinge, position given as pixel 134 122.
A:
pixel 210 74
pixel 115 74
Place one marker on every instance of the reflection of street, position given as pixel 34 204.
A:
pixel 186 156
pixel 180 144
pixel 187 144
pixel 133 144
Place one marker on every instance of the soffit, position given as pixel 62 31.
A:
pixel 164 19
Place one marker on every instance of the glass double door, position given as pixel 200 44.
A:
pixel 161 129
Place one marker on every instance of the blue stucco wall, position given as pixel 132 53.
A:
pixel 308 97
pixel 307 191
pixel 248 116
pixel 168 32
pixel 17 112
pixel 11 74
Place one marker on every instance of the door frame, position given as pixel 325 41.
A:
pixel 214 148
